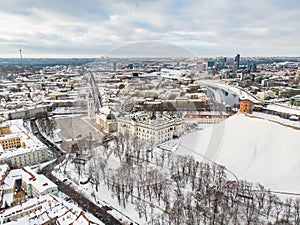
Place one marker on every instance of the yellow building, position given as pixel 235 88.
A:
pixel 8 139
pixel 5 130
pixel 10 142
pixel 18 148
pixel 106 121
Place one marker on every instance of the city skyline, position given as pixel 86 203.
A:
pixel 93 28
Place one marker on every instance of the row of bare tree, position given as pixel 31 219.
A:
pixel 175 189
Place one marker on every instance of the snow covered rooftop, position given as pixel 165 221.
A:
pixel 39 182
pixel 17 130
pixel 148 119
pixel 3 170
pixel 45 208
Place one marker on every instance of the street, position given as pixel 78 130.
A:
pixel 80 199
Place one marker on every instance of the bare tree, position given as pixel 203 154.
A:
pixel 277 208
pixel 287 209
pixel 271 201
pixel 260 195
pixel 296 211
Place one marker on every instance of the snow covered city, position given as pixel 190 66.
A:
pixel 155 112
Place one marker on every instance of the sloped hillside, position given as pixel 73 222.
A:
pixel 254 149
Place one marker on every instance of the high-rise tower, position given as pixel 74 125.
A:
pixel 236 62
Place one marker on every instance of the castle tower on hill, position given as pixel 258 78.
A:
pixel 246 106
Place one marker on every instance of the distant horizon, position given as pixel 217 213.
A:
pixel 144 57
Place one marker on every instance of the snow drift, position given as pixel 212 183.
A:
pixel 254 149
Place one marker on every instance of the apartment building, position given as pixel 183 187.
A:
pixel 24 112
pixel 44 210
pixel 21 184
pixel 20 148
pixel 10 141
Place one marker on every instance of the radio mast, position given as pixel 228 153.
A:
pixel 20 50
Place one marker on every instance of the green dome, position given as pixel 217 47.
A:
pixel 110 117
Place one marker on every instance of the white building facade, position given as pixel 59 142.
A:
pixel 152 129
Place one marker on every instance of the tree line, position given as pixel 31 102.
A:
pixel 173 189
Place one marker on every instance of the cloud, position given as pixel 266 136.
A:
pixel 93 27
pixel 150 49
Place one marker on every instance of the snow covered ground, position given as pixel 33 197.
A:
pixel 277 119
pixel 144 188
pixel 254 149
pixel 103 196
pixel 284 109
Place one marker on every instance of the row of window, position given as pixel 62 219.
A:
pixel 10 140
pixel 27 159
pixel 10 143
pixel 144 132
pixel 166 130
pixel 20 215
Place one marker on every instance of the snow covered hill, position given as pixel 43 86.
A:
pixel 254 149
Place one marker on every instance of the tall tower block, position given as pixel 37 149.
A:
pixel 237 62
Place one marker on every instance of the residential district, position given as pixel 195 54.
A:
pixel 101 141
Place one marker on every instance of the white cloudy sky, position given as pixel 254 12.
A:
pixel 72 28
